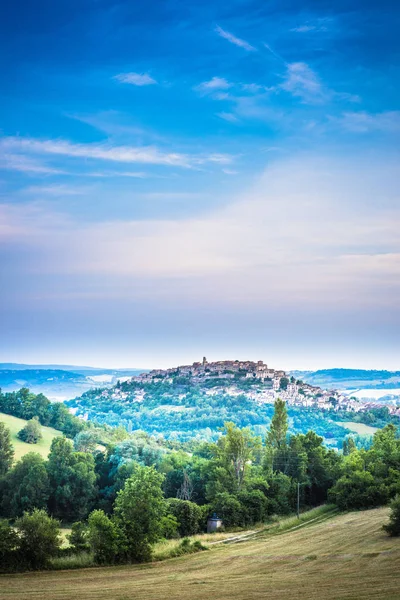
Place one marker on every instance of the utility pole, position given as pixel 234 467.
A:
pixel 298 499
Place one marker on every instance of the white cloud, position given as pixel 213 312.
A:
pixel 139 79
pixel 230 117
pixel 25 164
pixel 216 83
pixel 303 82
pixel 108 152
pixel 234 40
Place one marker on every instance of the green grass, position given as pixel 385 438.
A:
pixel 359 428
pixel 20 448
pixel 75 561
pixel 341 557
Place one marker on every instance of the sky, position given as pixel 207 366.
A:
pixel 183 178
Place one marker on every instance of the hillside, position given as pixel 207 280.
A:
pixel 21 448
pixel 58 382
pixel 350 378
pixel 345 557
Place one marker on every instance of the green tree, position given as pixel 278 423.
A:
pixel 72 481
pixel 276 455
pixel 31 433
pixel 9 545
pixel 139 509
pixel 40 538
pixel 6 450
pixel 78 538
pixel 283 384
pixel 85 441
pixel 188 514
pixel 276 437
pixel 234 452
pixel 358 490
pixel 103 536
pixel 393 527
pixel 228 508
pixel 26 486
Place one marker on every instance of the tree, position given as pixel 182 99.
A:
pixel 31 433
pixel 85 441
pixel 276 437
pixel 72 481
pixel 9 545
pixel 139 509
pixel 393 527
pixel 6 450
pixel 276 443
pixel 78 538
pixel 283 384
pixel 103 536
pixel 228 508
pixel 26 486
pixel 40 538
pixel 358 490
pixel 236 450
pixel 188 514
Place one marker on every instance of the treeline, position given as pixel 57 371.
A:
pixel 26 405
pixel 123 499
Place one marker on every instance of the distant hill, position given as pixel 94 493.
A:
pixel 59 382
pixel 350 378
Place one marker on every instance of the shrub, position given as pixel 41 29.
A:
pixel 40 538
pixel 188 514
pixel 103 538
pixel 31 433
pixel 78 538
pixel 228 508
pixel 169 526
pixel 393 527
pixel 9 544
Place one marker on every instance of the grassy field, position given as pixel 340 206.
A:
pixel 341 557
pixel 359 428
pixel 21 448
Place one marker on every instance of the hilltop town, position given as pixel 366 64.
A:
pixel 264 384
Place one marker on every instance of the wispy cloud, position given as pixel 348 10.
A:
pixel 122 154
pixel 364 122
pixel 230 117
pixel 216 83
pixel 139 79
pixel 234 40
pixel 25 164
pixel 314 25
pixel 55 190
pixel 302 81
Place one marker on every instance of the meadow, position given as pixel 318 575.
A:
pixel 338 557
pixel 20 448
pixel 359 428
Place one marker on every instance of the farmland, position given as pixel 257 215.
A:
pixel 20 448
pixel 343 557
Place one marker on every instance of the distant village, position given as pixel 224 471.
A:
pixel 272 384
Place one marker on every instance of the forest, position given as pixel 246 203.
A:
pixel 185 411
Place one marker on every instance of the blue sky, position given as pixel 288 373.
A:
pixel 188 178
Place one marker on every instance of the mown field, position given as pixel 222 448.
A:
pixel 344 557
pixel 20 448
